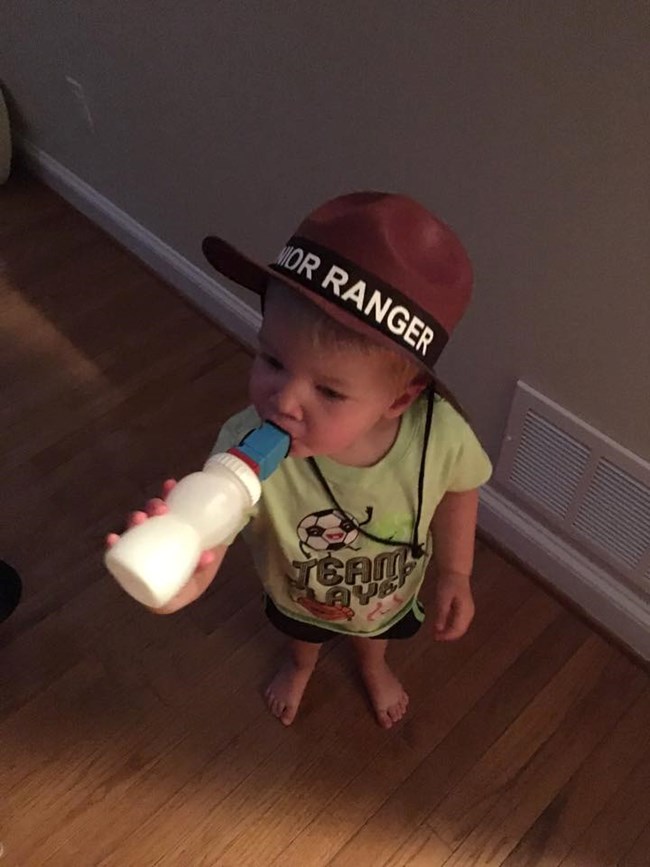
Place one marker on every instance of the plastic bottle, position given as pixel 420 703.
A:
pixel 153 560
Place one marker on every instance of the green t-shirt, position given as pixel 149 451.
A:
pixel 314 562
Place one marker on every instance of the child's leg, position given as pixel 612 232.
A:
pixel 386 692
pixel 287 687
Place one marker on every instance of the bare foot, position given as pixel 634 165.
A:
pixel 284 693
pixel 386 693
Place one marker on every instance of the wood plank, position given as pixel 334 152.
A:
pixel 139 771
pixel 616 828
pixel 422 849
pixel 479 790
pixel 531 791
pixel 57 746
pixel 637 856
pixel 575 806
pixel 377 811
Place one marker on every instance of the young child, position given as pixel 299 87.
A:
pixel 383 471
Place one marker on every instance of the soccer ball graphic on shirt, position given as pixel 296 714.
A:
pixel 329 530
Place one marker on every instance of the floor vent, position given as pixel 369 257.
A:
pixel 592 489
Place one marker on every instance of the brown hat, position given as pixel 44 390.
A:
pixel 379 263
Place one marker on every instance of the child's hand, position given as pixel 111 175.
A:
pixel 454 606
pixel 206 568
pixel 157 506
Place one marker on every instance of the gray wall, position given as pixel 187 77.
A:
pixel 524 125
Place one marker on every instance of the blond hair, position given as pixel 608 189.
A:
pixel 326 333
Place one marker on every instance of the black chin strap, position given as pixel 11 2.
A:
pixel 417 549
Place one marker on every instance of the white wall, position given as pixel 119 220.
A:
pixel 525 125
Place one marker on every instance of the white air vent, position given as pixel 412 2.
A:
pixel 588 486
pixel 615 514
pixel 548 464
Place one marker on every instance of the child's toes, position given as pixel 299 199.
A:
pixel 398 710
pixel 288 715
pixel 273 704
pixel 395 713
pixel 384 718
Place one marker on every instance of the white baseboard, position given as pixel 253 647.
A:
pixel 215 300
pixel 600 595
pixel 609 602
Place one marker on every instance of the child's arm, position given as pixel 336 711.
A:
pixel 454 530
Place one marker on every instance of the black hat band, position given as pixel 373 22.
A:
pixel 364 296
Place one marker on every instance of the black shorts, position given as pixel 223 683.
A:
pixel 404 628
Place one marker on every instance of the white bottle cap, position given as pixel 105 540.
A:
pixel 244 473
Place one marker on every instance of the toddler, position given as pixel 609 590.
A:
pixel 384 471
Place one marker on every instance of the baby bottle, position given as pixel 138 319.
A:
pixel 153 560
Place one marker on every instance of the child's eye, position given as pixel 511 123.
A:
pixel 330 394
pixel 272 362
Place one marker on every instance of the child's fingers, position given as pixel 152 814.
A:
pixel 206 558
pixel 458 621
pixel 156 506
pixel 137 518
pixel 451 633
pixel 443 609
pixel 441 621
pixel 168 486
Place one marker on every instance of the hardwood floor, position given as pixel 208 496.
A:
pixel 129 739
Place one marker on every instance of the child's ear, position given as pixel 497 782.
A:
pixel 409 394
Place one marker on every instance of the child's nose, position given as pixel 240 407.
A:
pixel 287 401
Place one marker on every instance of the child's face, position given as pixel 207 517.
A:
pixel 327 400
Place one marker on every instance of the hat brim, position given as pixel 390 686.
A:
pixel 234 265
pixel 241 269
